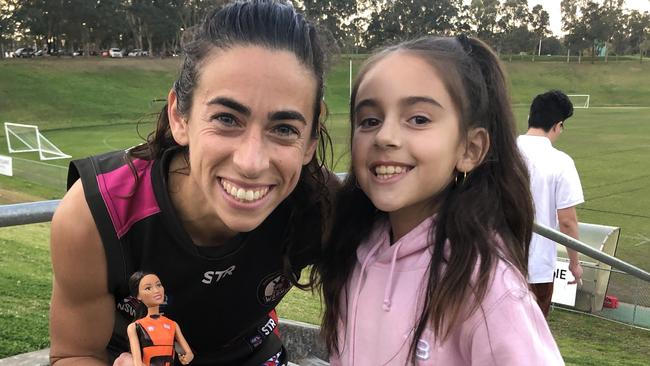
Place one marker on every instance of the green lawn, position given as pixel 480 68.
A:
pixel 90 106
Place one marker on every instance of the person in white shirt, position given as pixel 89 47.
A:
pixel 555 186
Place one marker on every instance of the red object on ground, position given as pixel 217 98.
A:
pixel 610 302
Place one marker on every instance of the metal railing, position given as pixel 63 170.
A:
pixel 42 211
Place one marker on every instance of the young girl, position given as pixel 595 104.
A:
pixel 152 336
pixel 428 255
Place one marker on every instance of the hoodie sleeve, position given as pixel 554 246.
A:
pixel 511 330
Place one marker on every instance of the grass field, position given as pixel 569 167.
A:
pixel 91 106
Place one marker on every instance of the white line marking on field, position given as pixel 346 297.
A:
pixel 41 163
pixel 105 141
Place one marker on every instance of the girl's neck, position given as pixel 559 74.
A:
pixel 406 219
pixel 201 223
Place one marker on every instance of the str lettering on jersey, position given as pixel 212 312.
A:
pixel 268 327
pixel 216 276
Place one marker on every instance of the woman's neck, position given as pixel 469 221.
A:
pixel 201 223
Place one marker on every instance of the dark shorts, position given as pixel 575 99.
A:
pixel 543 293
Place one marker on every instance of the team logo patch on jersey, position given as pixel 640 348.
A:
pixel 272 288
pixel 128 307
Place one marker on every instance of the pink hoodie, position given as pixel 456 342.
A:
pixel 386 292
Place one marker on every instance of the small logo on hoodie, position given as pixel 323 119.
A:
pixel 422 350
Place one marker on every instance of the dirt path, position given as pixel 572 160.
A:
pixel 8 197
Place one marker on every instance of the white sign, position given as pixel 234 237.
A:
pixel 5 165
pixel 563 293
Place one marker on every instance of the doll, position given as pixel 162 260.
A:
pixel 152 336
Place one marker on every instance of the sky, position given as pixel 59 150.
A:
pixel 553 9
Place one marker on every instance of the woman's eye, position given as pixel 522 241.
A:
pixel 286 131
pixel 419 120
pixel 226 119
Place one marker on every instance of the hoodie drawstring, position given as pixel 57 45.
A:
pixel 356 299
pixel 389 285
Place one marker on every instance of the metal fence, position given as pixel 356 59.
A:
pixel 635 310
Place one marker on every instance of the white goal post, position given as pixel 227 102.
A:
pixel 27 138
pixel 579 100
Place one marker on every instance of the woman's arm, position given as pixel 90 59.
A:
pixel 189 355
pixel 134 342
pixel 82 309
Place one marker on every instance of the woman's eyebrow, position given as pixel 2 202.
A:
pixel 287 115
pixel 232 104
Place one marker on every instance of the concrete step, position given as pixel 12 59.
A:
pixel 301 340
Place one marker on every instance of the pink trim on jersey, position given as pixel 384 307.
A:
pixel 128 201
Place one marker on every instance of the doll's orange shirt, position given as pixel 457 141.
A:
pixel 156 338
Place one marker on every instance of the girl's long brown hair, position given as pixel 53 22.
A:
pixel 493 203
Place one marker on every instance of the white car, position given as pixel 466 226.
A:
pixel 138 52
pixel 115 52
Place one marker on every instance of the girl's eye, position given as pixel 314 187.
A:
pixel 369 122
pixel 286 131
pixel 419 120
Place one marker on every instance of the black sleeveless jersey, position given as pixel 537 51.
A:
pixel 223 298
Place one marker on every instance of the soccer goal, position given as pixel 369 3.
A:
pixel 27 138
pixel 579 100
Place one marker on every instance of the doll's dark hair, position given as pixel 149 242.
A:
pixel 486 216
pixel 134 289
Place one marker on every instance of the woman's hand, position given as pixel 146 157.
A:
pixel 125 359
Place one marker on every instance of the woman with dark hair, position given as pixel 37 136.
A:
pixel 226 201
pixel 152 335
pixel 427 260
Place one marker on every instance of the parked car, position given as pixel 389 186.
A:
pixel 136 52
pixel 115 52
pixel 24 52
pixel 78 53
pixel 40 53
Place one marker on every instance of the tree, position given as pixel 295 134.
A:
pixel 336 17
pixel 394 21
pixel 514 19
pixel 485 14
pixel 540 24
pixel 576 31
pixel 639 32
pixel 7 24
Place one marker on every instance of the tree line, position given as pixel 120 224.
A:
pixel 354 26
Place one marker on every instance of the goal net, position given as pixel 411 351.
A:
pixel 579 100
pixel 27 138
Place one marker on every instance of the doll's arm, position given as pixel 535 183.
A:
pixel 189 355
pixel 134 343
pixel 82 309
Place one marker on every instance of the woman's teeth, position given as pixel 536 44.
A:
pixel 244 195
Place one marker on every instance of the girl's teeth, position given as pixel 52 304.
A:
pixel 389 170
